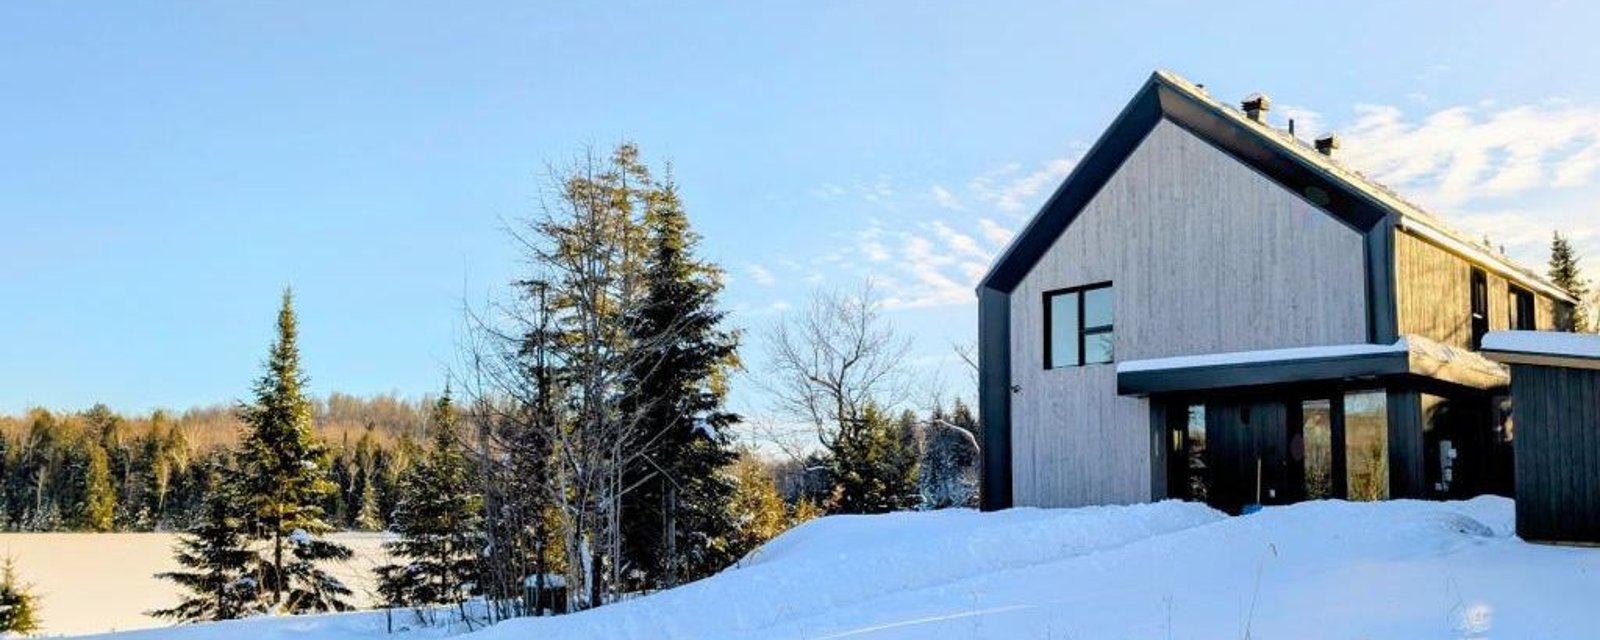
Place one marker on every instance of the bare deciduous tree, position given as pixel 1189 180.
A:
pixel 828 362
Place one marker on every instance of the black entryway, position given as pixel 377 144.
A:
pixel 1233 450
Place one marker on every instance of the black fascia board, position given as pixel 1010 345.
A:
pixel 1255 374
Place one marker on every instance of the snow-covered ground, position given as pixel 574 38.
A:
pixel 1401 569
pixel 96 582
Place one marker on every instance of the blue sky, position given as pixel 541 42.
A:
pixel 166 168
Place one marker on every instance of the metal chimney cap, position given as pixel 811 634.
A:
pixel 1327 142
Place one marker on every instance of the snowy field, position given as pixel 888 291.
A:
pixel 1404 569
pixel 96 582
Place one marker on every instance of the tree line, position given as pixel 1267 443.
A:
pixel 100 470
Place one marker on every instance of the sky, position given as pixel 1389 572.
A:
pixel 166 169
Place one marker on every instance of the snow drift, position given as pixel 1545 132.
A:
pixel 1401 569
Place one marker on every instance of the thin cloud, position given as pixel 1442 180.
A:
pixel 945 199
pixel 1464 154
pixel 1514 173
pixel 761 275
pixel 1012 193
pixel 997 235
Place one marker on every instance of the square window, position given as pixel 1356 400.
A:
pixel 1079 326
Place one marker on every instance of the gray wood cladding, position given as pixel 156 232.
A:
pixel 1434 297
pixel 1206 255
pixel 1557 453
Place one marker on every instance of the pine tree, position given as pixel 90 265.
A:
pixel 284 480
pixel 1565 272
pixel 677 516
pixel 19 607
pixel 438 519
pixel 100 497
pixel 874 466
pixel 219 562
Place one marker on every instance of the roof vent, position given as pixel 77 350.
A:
pixel 1326 143
pixel 1255 106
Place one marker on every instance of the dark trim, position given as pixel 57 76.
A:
pixel 1080 331
pixel 1160 442
pixel 1247 142
pixel 1478 295
pixel 1541 359
pixel 1404 419
pixel 1095 168
pixel 1520 305
pixel 1383 317
pixel 1341 457
pixel 994 397
pixel 1251 374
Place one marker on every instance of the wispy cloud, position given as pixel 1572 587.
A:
pixel 761 275
pixel 997 235
pixel 1012 190
pixel 1462 154
pixel 945 199
pixel 1512 172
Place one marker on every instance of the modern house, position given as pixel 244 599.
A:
pixel 1210 308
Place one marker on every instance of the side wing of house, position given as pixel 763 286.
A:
pixel 1435 295
pixel 1203 254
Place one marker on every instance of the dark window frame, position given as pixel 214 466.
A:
pixel 1521 307
pixel 1081 331
pixel 1478 317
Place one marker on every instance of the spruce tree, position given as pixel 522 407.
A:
pixel 677 516
pixel 1566 273
pixel 369 518
pixel 284 480
pixel 874 467
pixel 219 563
pixel 19 607
pixel 438 520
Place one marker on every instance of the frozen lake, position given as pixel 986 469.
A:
pixel 96 582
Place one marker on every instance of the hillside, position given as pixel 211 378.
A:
pixel 1402 569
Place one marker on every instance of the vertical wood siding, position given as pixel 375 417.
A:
pixel 1434 295
pixel 1205 255
pixel 1557 453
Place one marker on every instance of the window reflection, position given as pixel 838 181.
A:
pixel 1317 434
pixel 1366 443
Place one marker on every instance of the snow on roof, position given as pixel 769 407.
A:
pixel 1445 362
pixel 1453 356
pixel 1412 216
pixel 1258 357
pixel 1545 347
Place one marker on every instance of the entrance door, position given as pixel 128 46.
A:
pixel 1248 451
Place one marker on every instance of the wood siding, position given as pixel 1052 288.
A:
pixel 1557 453
pixel 1434 295
pixel 1205 255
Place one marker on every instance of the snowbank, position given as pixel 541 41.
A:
pixel 1402 569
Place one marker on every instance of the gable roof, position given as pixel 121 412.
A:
pixel 1335 189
